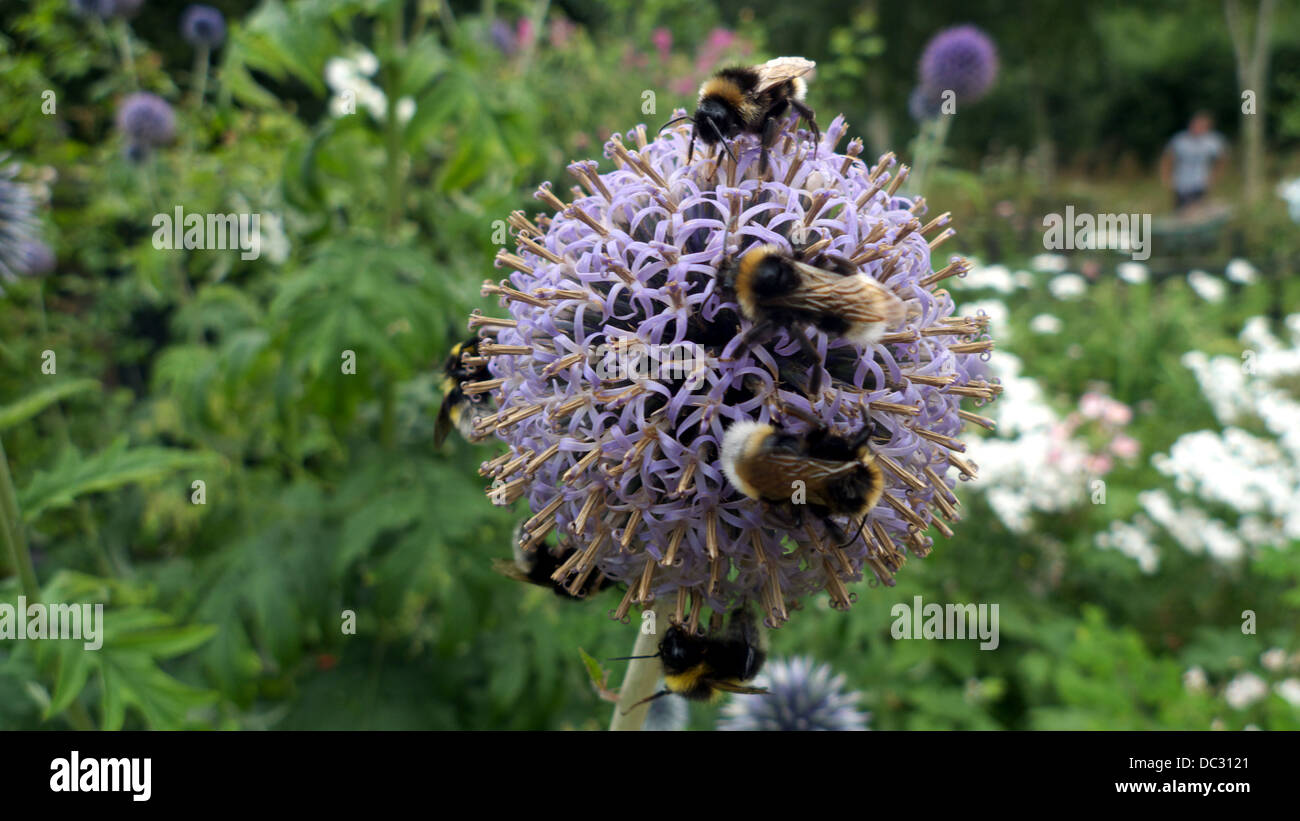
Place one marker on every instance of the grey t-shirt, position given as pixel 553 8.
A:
pixel 1194 156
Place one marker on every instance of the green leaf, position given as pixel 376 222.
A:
pixel 74 668
pixel 111 468
pixel 32 404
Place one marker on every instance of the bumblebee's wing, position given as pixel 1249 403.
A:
pixel 858 299
pixel 445 423
pixel 774 478
pixel 736 688
pixel 511 570
pixel 779 69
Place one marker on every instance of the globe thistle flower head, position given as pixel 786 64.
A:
pixel 962 59
pixel 923 104
pixel 35 259
pixel 801 696
pixel 619 369
pixel 18 224
pixel 203 25
pixel 146 120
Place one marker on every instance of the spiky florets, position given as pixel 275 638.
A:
pixel 620 370
pixel 800 696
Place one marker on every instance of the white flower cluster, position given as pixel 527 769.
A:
pixel 1028 466
pixel 348 78
pixel 1255 474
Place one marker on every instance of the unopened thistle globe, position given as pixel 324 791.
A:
pixel 18 223
pixel 961 59
pixel 801 696
pixel 615 371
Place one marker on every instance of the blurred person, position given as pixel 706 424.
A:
pixel 1193 161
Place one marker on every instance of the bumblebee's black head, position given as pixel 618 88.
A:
pixel 680 651
pixel 716 119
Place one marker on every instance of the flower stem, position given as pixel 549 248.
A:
pixel 200 74
pixel 11 530
pixel 642 675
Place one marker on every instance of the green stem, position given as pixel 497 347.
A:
pixel 642 675
pixel 392 76
pixel 11 529
pixel 200 73
pixel 124 46
pixel 15 544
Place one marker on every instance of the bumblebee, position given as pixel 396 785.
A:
pixel 458 409
pixel 702 668
pixel 751 100
pixel 536 566
pixel 839 474
pixel 775 289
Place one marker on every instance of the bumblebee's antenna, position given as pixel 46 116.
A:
pixel 721 139
pixel 675 120
pixel 629 658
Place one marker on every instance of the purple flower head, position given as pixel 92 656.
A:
pixel 801 696
pixel 503 37
pixel 619 369
pixel 923 105
pixel 203 26
pixel 962 59
pixel 106 8
pixel 36 259
pixel 146 120
pixel 18 224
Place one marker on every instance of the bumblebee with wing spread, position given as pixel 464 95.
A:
pixel 775 289
pixel 751 100
pixel 839 475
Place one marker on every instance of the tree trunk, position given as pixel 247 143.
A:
pixel 1252 75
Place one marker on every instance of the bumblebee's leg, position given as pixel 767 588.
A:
pixel 838 264
pixel 768 137
pixel 756 335
pixel 807 114
pixel 690 151
pixel 815 381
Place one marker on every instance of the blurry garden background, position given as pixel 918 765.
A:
pixel 1141 493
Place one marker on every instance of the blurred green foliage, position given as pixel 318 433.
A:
pixel 323 493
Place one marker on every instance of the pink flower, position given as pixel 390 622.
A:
pixel 1125 447
pixel 1116 413
pixel 683 85
pixel 1093 405
pixel 561 32
pixel 525 34
pixel 663 41
pixel 1098 464
pixel 720 39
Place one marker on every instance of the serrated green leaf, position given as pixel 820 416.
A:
pixel 32 404
pixel 115 466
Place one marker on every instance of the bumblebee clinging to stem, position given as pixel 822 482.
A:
pixel 839 474
pixel 776 289
pixel 459 410
pixel 702 668
pixel 751 99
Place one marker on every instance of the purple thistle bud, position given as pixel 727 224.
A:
pixel 962 59
pixel 623 463
pixel 503 37
pixel 18 225
pixel 203 25
pixel 800 697
pixel 923 105
pixel 146 120
pixel 106 8
pixel 36 259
